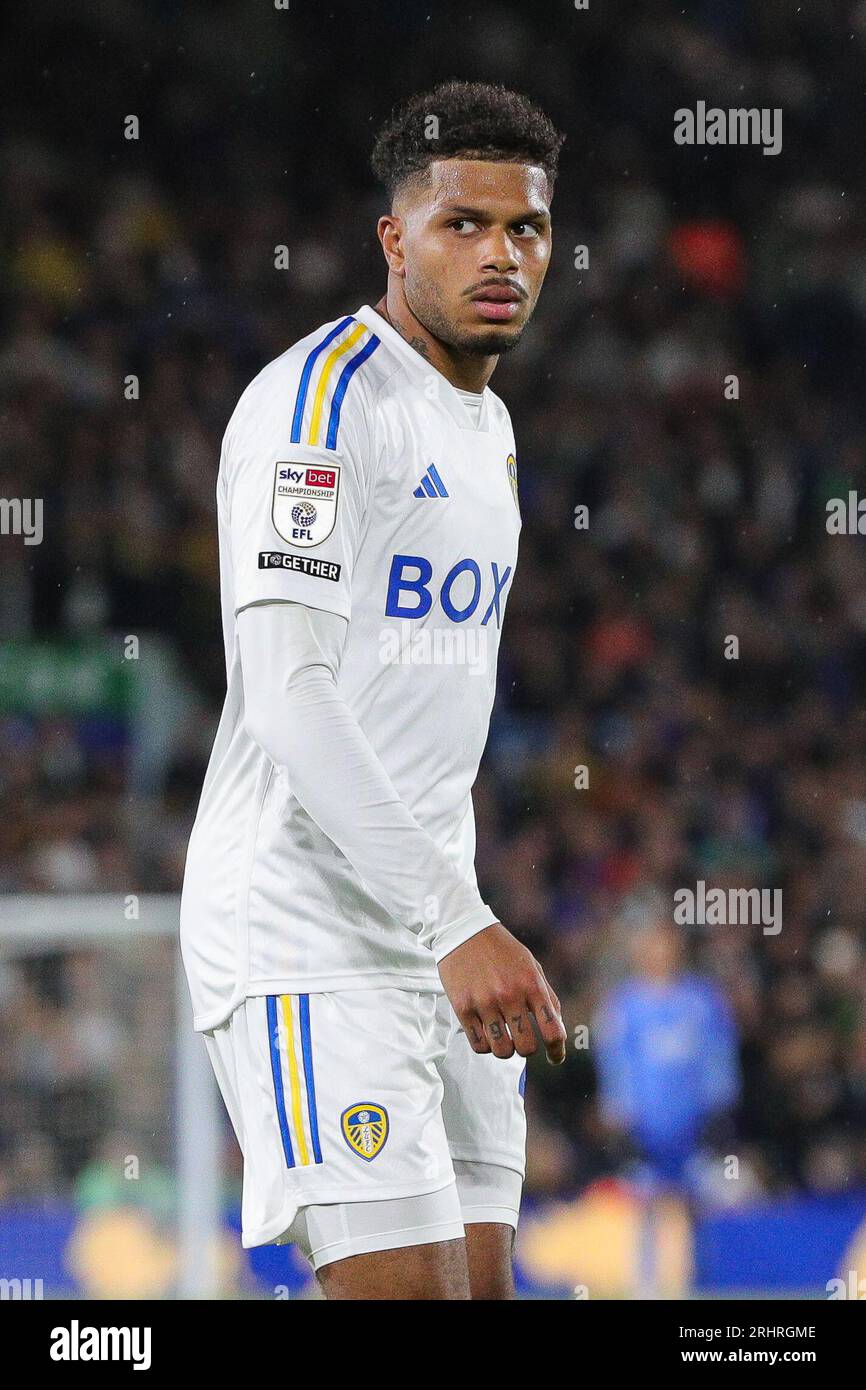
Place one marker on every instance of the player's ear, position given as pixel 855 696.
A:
pixel 390 233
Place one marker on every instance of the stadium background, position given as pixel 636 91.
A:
pixel 155 257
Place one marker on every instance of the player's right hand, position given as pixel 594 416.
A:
pixel 496 988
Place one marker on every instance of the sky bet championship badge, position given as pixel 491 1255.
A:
pixel 305 501
pixel 365 1128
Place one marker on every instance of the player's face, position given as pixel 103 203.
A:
pixel 476 246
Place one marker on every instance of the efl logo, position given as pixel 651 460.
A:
pixel 304 506
pixel 321 477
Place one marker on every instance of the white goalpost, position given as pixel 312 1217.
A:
pixel 41 924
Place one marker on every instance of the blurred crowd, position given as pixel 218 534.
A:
pixel 153 258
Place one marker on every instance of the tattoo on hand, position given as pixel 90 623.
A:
pixel 516 1019
pixel 494 1030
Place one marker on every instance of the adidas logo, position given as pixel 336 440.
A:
pixel 431 484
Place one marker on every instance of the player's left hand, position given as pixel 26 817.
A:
pixel 497 988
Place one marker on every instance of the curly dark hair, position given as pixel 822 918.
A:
pixel 478 120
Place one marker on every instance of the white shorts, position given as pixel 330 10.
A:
pixel 367 1096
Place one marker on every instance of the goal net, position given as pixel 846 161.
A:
pixel 111 1127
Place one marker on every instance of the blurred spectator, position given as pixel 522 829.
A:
pixel 667 1055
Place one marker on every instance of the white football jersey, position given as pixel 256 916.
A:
pixel 352 479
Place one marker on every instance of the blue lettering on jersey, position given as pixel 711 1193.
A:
pixel 498 586
pixel 459 615
pixel 398 582
pixel 411 575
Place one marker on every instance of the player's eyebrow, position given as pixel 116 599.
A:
pixel 536 214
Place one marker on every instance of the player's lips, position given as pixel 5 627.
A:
pixel 496 309
pixel 496 301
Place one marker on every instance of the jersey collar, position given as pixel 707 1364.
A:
pixel 416 363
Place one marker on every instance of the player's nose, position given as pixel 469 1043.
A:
pixel 498 254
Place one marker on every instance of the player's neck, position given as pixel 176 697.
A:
pixel 468 372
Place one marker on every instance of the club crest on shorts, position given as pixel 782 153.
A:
pixel 305 501
pixel 365 1128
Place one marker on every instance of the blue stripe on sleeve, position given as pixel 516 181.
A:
pixel 342 385
pixel 301 399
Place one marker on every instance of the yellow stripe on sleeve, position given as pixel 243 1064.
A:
pixel 327 370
